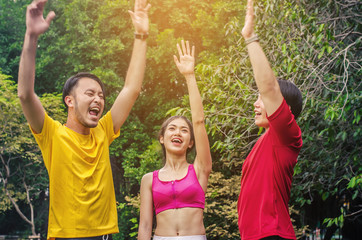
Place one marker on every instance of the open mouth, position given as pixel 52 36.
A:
pixel 94 111
pixel 257 113
pixel 176 140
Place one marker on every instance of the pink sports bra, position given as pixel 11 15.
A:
pixel 185 192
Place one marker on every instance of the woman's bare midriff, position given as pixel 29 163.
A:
pixel 180 222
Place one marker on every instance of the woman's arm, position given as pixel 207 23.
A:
pixel 186 65
pixel 146 209
pixel 264 76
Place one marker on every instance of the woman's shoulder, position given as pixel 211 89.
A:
pixel 147 178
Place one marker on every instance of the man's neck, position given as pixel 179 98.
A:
pixel 76 126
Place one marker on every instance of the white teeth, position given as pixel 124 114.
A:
pixel 94 110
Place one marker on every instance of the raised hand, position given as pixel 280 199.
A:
pixel 35 22
pixel 140 16
pixel 248 29
pixel 186 65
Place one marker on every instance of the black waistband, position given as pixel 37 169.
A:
pixel 103 237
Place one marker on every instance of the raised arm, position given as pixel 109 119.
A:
pixel 186 65
pixel 133 83
pixel 146 209
pixel 35 26
pixel 264 76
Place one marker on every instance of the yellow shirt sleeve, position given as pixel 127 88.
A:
pixel 106 123
pixel 44 139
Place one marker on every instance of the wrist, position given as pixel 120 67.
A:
pixel 31 34
pixel 141 36
pixel 189 75
pixel 31 37
pixel 253 38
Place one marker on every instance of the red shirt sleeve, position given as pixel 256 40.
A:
pixel 283 124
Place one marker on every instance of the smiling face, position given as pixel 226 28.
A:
pixel 86 102
pixel 260 114
pixel 177 137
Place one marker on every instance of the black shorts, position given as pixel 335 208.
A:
pixel 103 237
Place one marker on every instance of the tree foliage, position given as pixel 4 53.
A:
pixel 315 44
pixel 23 177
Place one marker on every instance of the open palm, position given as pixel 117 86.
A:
pixel 186 64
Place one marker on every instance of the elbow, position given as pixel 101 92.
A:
pixel 144 231
pixel 23 96
pixel 134 92
pixel 145 225
pixel 198 120
pixel 26 97
pixel 137 90
pixel 268 87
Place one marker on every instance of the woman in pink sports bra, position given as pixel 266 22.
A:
pixel 176 192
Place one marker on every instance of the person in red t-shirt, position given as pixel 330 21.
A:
pixel 267 171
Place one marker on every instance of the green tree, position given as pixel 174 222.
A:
pixel 316 44
pixel 11 14
pixel 23 176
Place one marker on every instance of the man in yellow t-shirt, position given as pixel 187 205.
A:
pixel 76 154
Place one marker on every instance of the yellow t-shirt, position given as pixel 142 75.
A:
pixel 82 201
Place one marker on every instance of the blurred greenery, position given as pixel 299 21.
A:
pixel 315 44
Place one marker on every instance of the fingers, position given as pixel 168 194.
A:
pixel 188 48
pixel 40 4
pixel 37 7
pixel 250 10
pixel 143 9
pixel 250 3
pixel 176 60
pixel 186 61
pixel 50 17
pixel 136 5
pixel 141 5
pixel 148 7
pixel 248 29
pixel 131 14
pixel 185 49
pixel 40 1
pixel 179 50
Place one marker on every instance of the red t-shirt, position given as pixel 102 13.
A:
pixel 267 177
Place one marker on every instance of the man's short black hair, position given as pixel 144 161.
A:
pixel 292 96
pixel 72 82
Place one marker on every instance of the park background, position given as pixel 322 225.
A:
pixel 314 43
